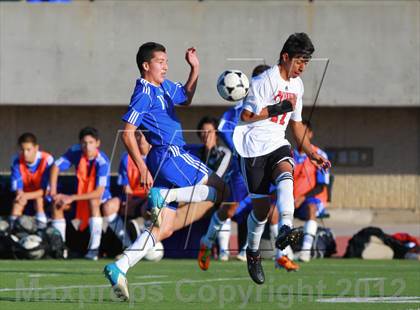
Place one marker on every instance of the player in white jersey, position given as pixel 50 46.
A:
pixel 274 99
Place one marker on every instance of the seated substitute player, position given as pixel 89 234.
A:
pixel 29 178
pixel 310 192
pixel 92 175
pixel 177 175
pixel 274 98
pixel 133 198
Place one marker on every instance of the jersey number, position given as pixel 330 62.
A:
pixel 275 119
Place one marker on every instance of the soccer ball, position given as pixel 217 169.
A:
pixel 155 254
pixel 32 246
pixel 233 85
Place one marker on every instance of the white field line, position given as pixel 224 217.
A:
pixel 185 281
pixel 151 276
pixel 394 299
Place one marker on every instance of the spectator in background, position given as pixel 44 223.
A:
pixel 29 178
pixel 92 175
pixel 217 158
pixel 310 192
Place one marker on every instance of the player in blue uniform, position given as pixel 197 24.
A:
pixel 92 175
pixel 176 175
pixel 29 178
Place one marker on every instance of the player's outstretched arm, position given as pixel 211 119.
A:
pixel 282 107
pixel 130 142
pixel 191 84
pixel 303 142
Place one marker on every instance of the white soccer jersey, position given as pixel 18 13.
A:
pixel 253 139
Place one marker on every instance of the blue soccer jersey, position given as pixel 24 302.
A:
pixel 16 175
pixel 227 124
pixel 73 156
pixel 152 109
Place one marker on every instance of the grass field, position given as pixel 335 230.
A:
pixel 179 284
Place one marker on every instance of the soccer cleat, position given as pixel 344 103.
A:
pixel 204 257
pixel 92 255
pixel 118 281
pixel 286 263
pixel 255 268
pixel 288 236
pixel 224 256
pixel 304 256
pixel 155 203
pixel 241 256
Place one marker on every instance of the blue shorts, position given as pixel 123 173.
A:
pixel 242 211
pixel 236 182
pixel 173 167
pixel 302 212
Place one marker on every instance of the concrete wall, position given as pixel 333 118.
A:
pixel 83 53
pixel 392 182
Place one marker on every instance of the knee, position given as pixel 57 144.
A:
pixel 108 208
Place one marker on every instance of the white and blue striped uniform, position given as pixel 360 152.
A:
pixel 152 110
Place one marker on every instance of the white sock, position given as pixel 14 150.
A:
pixel 309 230
pixel 224 235
pixel 116 224
pixel 41 219
pixel 195 193
pixel 287 251
pixel 285 201
pixel 214 228
pixel 274 230
pixel 255 231
pixel 60 225
pixel 136 251
pixel 95 226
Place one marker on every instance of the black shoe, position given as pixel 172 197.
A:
pixel 255 269
pixel 288 236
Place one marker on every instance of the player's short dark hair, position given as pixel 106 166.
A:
pixel 89 131
pixel 27 137
pixel 207 120
pixel 308 124
pixel 259 69
pixel 145 53
pixel 298 45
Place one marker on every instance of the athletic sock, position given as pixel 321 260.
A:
pixel 255 231
pixel 95 226
pixel 60 225
pixel 309 231
pixel 215 226
pixel 136 251
pixel 197 193
pixel 224 236
pixel 285 200
pixel 41 220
